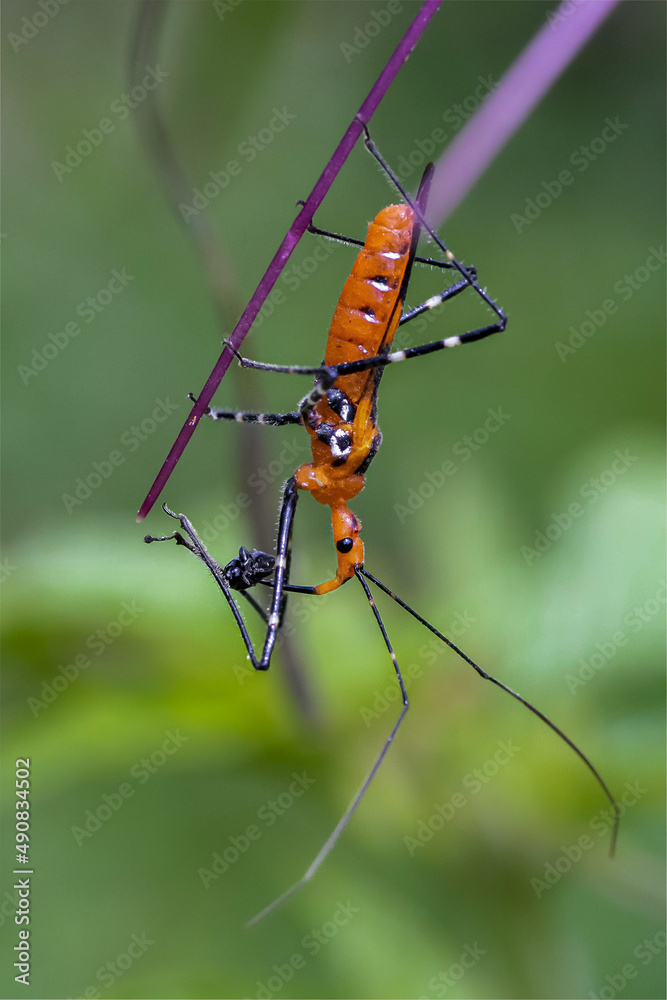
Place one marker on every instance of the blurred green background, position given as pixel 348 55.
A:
pixel 576 627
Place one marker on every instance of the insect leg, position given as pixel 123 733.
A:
pixel 360 243
pixel 221 575
pixel 350 367
pixel 251 568
pixel 324 372
pixel 531 708
pixel 196 546
pixel 282 568
pixel 356 801
pixel 435 300
pixel 249 417
pixel 329 373
pixel 419 214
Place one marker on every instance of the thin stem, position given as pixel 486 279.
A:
pixel 530 77
pixel 294 234
pixel 222 285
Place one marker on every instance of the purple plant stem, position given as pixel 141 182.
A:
pixel 540 64
pixel 296 231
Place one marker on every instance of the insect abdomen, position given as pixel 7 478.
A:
pixel 368 311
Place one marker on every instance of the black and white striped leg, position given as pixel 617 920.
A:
pixel 468 337
pixel 435 300
pixel 248 416
pixel 356 801
pixel 328 374
pixel 417 352
pixel 531 708
pixel 282 569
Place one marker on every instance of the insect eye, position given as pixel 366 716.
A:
pixel 344 545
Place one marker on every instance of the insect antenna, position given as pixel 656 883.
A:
pixel 540 715
pixel 356 801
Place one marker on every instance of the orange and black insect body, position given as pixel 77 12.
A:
pixel 343 422
pixel 340 414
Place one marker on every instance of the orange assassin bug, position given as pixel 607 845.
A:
pixel 340 415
